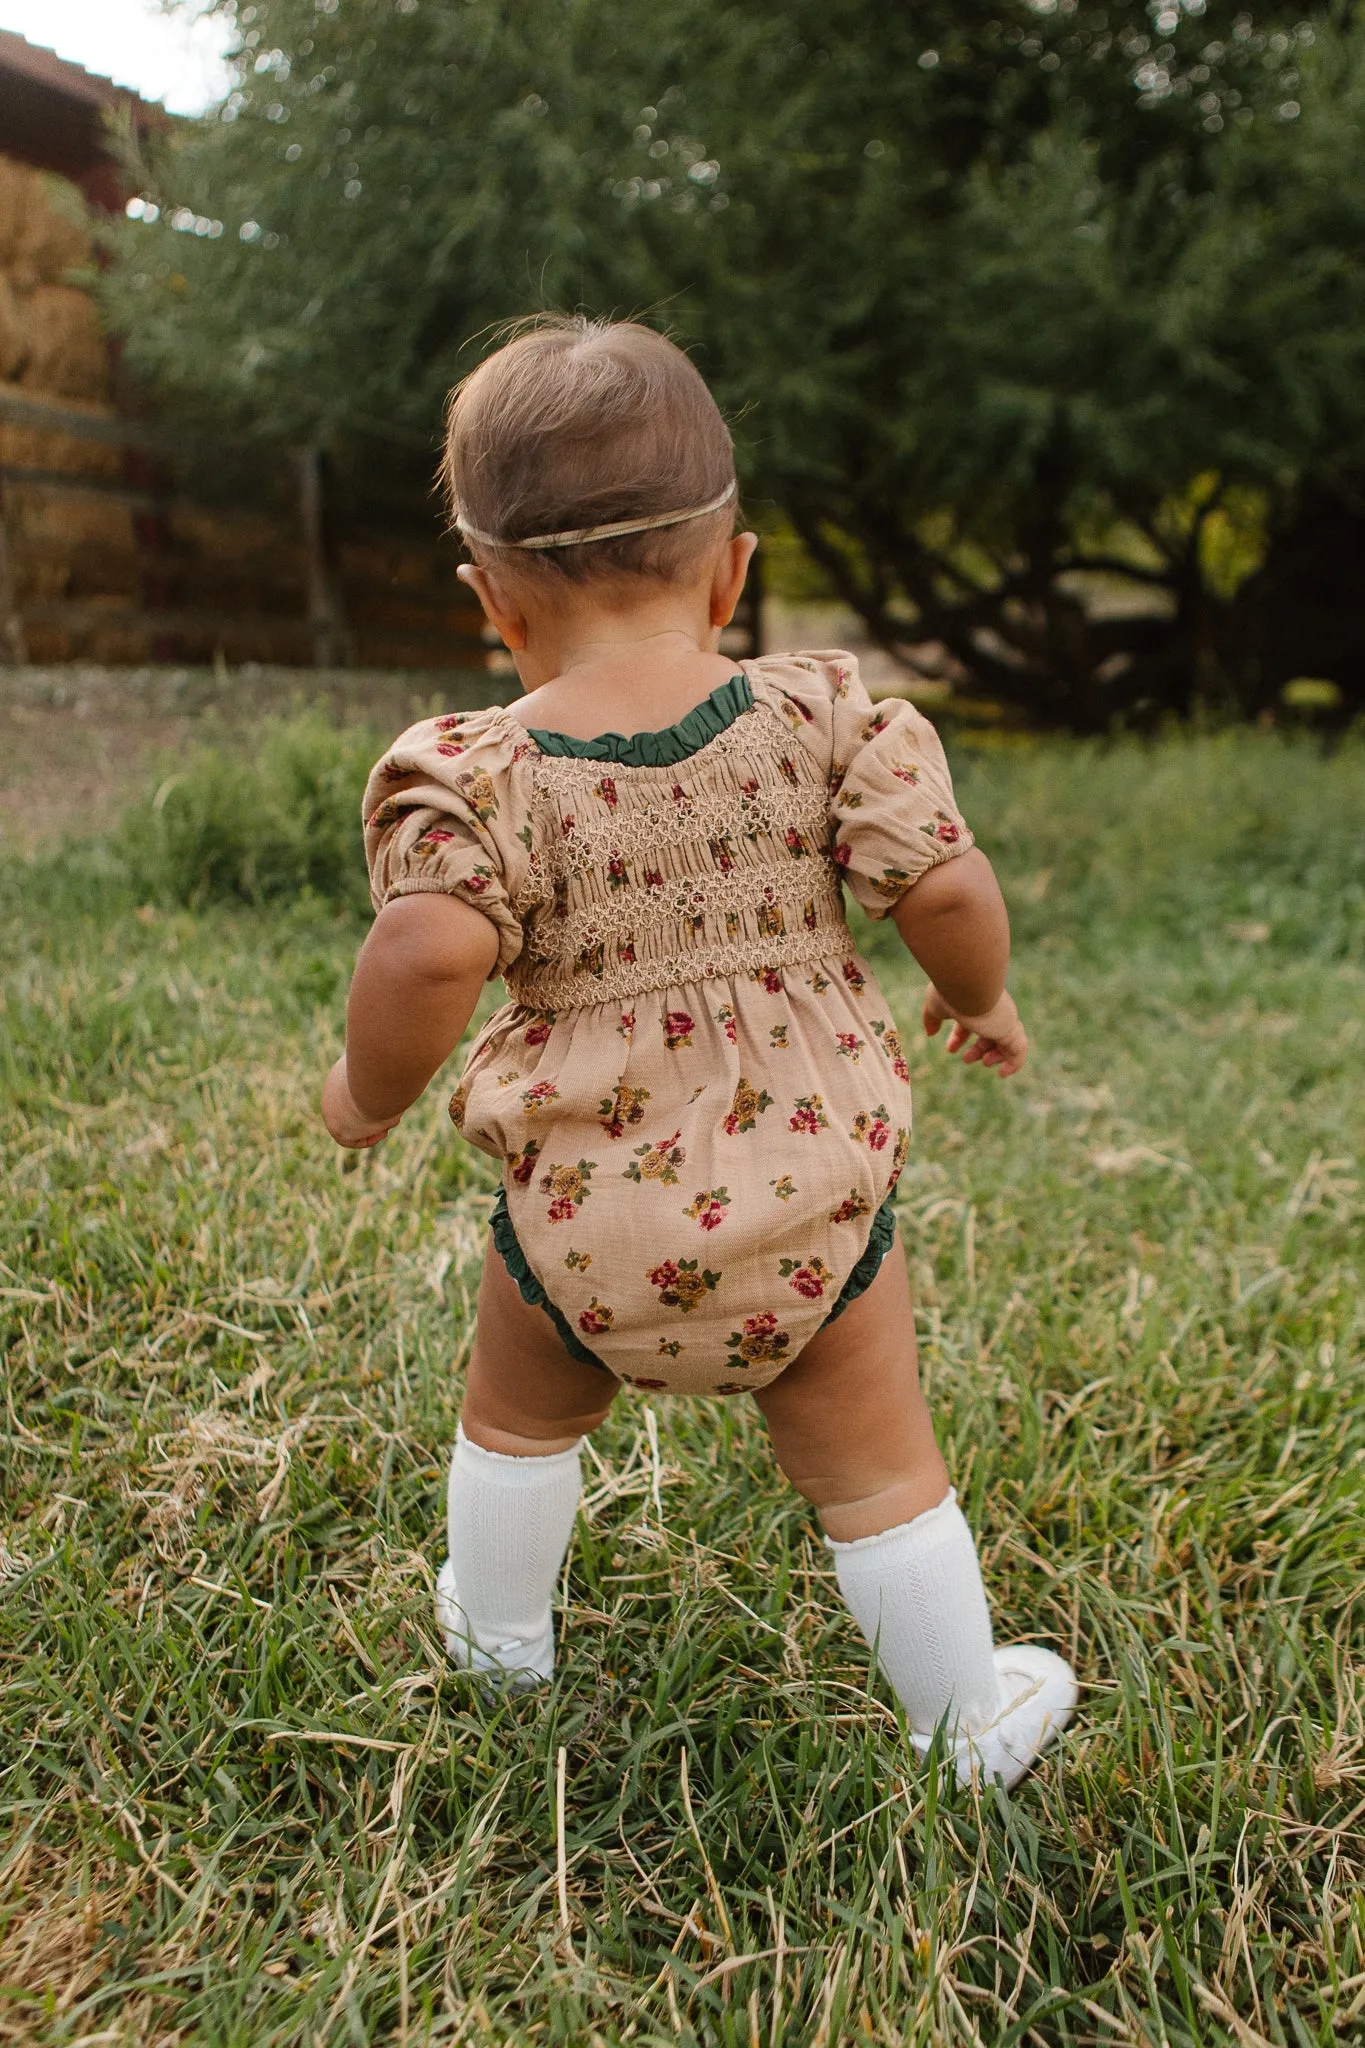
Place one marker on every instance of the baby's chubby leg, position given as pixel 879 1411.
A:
pixel 852 1431
pixel 525 1397
pixel 514 1484
pixel 849 1421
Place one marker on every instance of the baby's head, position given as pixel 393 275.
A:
pixel 581 424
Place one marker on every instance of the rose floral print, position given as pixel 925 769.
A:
pixel 681 1285
pixel 568 1186
pixel 892 1047
pixel 808 1115
pixel 627 1106
pixel 659 1162
pixel 870 1128
pixel 697 1099
pixel 709 1210
pixel 678 1029
pixel 758 1342
pixel 522 1165
pixel 809 1277
pixel 746 1109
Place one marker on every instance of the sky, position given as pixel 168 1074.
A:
pixel 173 57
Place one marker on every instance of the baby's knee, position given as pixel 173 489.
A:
pixel 518 1436
pixel 854 1515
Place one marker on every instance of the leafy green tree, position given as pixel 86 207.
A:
pixel 319 258
pixel 1047 314
pixel 1040 320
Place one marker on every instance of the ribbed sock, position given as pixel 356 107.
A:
pixel 916 1593
pixel 509 1522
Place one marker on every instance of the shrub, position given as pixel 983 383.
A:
pixel 282 822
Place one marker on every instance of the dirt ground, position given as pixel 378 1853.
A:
pixel 78 743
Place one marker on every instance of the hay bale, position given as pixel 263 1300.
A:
pixel 67 357
pixel 50 236
pixel 57 522
pixel 40 578
pixel 18 191
pixel 13 340
pixel 49 645
pixel 118 646
pixel 223 533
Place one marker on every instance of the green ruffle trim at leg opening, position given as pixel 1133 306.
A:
pixel 879 1240
pixel 529 1288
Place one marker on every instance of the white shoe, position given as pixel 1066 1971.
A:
pixel 521 1660
pixel 1037 1698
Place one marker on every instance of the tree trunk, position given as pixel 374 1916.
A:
pixel 324 597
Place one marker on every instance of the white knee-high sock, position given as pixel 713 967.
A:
pixel 509 1521
pixel 916 1594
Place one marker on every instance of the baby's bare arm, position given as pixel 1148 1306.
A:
pixel 418 978
pixel 955 923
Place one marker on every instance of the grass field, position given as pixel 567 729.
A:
pixel 245 1800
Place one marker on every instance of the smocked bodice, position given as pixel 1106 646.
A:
pixel 718 863
pixel 614 866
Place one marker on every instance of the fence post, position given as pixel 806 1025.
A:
pixel 13 644
pixel 324 600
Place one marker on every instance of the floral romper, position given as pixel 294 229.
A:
pixel 697 1094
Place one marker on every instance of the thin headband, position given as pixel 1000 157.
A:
pixel 580 534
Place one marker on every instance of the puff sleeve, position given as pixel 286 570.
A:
pixel 447 813
pixel 892 811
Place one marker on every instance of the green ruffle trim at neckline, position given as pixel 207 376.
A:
pixel 664 749
pixel 508 1247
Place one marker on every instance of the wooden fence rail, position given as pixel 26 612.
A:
pixel 50 416
pixel 417 609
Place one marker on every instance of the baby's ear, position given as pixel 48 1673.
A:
pixel 727 584
pixel 499 606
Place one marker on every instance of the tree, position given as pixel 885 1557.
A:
pixel 1040 320
pixel 322 256
pixel 1043 359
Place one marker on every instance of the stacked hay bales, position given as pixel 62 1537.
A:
pixel 51 348
pixel 111 560
pixel 50 338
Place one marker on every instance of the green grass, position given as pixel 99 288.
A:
pixel 245 1801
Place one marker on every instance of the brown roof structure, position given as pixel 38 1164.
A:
pixel 54 115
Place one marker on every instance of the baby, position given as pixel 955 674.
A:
pixel 697 1094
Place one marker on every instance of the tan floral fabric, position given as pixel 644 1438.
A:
pixel 697 1092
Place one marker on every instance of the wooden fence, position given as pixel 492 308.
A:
pixel 104 556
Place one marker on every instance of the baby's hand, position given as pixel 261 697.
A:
pixel 347 1124
pixel 996 1039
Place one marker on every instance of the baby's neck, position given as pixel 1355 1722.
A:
pixel 621 680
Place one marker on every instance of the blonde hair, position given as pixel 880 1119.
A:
pixel 582 423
